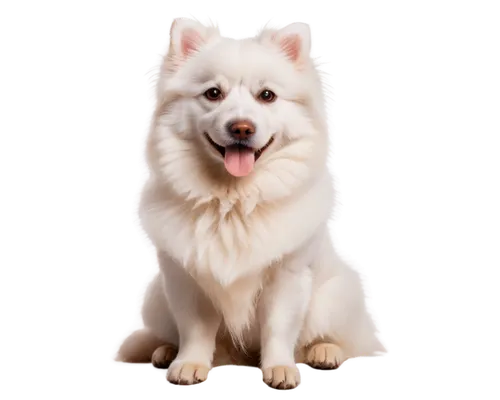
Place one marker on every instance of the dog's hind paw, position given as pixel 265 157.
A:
pixel 324 356
pixel 163 356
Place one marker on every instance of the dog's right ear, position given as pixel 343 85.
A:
pixel 187 37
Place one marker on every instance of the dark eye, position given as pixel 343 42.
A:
pixel 213 94
pixel 267 96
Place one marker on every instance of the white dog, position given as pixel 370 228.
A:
pixel 237 206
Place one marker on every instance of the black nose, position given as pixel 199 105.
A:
pixel 241 130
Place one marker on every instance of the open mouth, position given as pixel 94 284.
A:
pixel 222 150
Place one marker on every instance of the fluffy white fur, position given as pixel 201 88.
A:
pixel 249 257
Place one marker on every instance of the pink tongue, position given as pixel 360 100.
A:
pixel 239 161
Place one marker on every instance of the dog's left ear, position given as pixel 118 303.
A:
pixel 294 40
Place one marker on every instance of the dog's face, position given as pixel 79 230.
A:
pixel 241 101
pixel 241 104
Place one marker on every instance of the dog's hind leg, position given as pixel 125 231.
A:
pixel 337 325
pixel 158 340
pixel 135 347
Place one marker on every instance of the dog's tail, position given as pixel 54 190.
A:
pixel 138 347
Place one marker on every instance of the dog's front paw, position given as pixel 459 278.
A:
pixel 325 356
pixel 186 373
pixel 282 377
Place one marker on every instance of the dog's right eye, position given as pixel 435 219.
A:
pixel 213 94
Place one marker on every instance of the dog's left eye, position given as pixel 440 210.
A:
pixel 267 96
pixel 213 94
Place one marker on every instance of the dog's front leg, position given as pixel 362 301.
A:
pixel 197 324
pixel 282 308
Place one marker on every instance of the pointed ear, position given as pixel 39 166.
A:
pixel 294 40
pixel 187 36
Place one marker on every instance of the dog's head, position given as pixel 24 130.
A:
pixel 237 107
